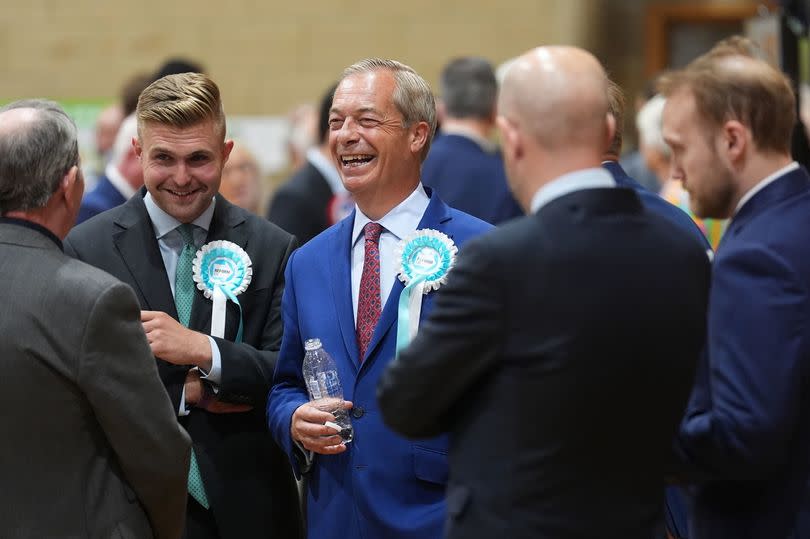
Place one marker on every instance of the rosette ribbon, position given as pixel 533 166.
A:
pixel 222 271
pixel 425 258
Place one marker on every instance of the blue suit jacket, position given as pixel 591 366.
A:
pixel 470 179
pixel 383 486
pixel 747 426
pixel 655 203
pixel 102 198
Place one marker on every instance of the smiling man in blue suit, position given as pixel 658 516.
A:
pixel 746 432
pixel 342 288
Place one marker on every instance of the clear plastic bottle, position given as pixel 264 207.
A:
pixel 323 385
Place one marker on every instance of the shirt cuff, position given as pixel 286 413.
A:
pixel 214 376
pixel 182 410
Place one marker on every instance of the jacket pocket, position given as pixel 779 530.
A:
pixel 430 465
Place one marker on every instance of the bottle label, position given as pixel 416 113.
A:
pixel 330 384
pixel 314 388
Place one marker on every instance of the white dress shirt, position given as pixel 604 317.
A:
pixel 171 245
pixel 398 223
pixel 765 182
pixel 119 182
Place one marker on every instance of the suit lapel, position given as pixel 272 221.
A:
pixel 436 216
pixel 225 225
pixel 341 279
pixel 138 247
pixel 789 185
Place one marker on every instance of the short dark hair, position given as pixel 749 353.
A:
pixel 323 113
pixel 35 157
pixel 469 88
pixel 175 66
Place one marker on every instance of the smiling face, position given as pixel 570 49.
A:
pixel 182 166
pixel 697 159
pixel 377 156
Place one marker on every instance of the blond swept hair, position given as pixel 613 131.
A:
pixel 181 100
pixel 412 94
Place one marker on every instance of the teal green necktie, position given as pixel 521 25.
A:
pixel 183 300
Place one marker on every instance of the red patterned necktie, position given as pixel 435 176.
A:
pixel 369 304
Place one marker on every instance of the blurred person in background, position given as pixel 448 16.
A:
pixel 122 177
pixel 314 198
pixel 242 180
pixel 464 166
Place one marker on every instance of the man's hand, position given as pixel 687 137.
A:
pixel 309 430
pixel 174 343
pixel 199 396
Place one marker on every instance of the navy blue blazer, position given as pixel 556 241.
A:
pixel 102 198
pixel 469 179
pixel 746 431
pixel 383 486
pixel 655 203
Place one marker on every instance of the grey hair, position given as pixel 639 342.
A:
pixel 412 94
pixel 35 157
pixel 469 88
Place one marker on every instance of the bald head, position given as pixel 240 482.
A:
pixel 558 95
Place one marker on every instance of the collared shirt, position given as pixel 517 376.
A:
pixel 461 131
pixel 765 183
pixel 33 226
pixel 171 244
pixel 398 223
pixel 119 182
pixel 327 169
pixel 589 178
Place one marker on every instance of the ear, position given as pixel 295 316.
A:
pixel 510 138
pixel 419 137
pixel 610 122
pixel 227 148
pixel 137 145
pixel 72 188
pixel 735 139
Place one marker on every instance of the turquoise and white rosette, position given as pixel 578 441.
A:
pixel 222 270
pixel 425 258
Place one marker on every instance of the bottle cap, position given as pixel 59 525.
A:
pixel 312 344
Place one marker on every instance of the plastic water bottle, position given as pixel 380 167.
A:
pixel 323 386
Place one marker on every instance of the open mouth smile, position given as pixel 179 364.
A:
pixel 356 160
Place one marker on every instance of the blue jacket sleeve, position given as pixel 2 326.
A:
pixel 743 409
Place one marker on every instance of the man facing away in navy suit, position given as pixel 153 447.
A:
pixel 547 356
pixel 745 436
pixel 464 166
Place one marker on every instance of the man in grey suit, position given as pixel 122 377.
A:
pixel 90 446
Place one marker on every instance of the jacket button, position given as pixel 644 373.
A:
pixel 357 412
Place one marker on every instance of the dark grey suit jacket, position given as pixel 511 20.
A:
pixel 247 478
pixel 90 446
pixel 559 356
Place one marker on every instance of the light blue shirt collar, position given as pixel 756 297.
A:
pixel 163 223
pixel 401 220
pixel 589 178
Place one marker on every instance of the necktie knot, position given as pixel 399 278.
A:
pixel 372 232
pixel 186 230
